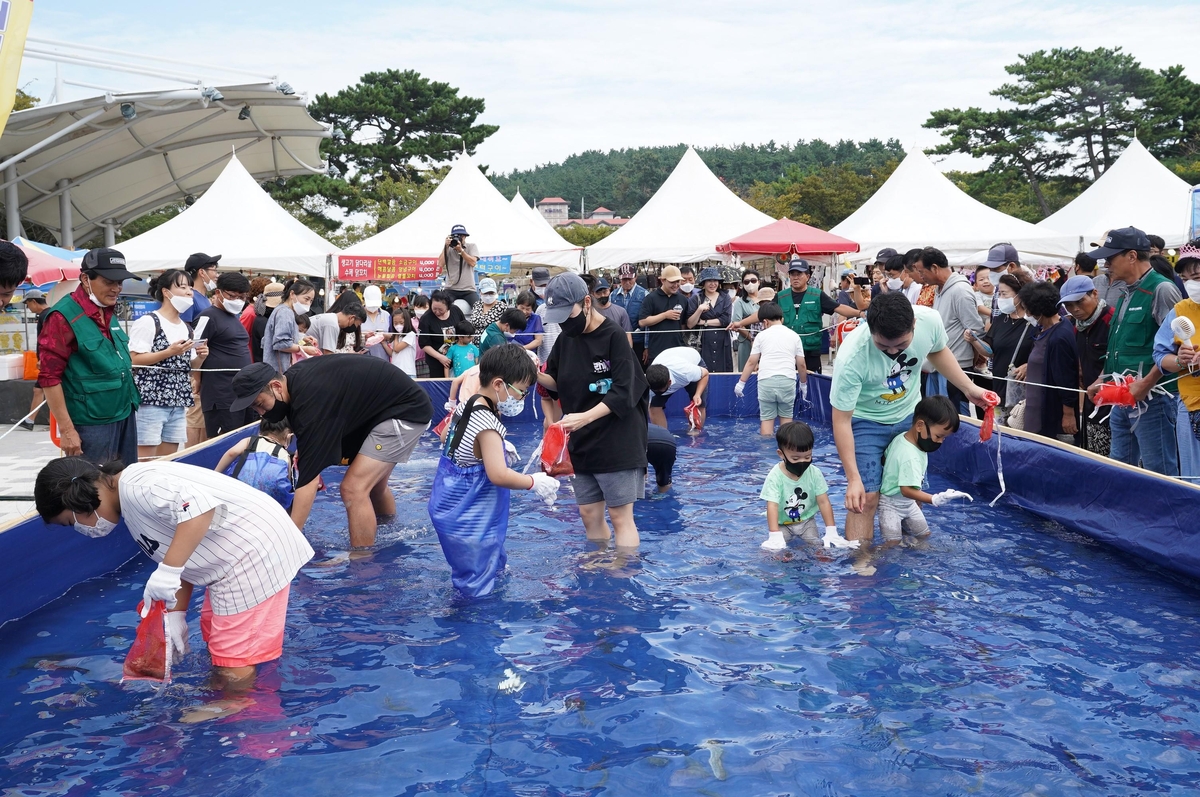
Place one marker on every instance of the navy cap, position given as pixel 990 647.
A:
pixel 540 276
pixel 249 382
pixel 200 260
pixel 884 255
pixel 798 264
pixel 1000 255
pixel 709 274
pixel 1076 288
pixel 458 229
pixel 602 285
pixel 562 294
pixel 1122 240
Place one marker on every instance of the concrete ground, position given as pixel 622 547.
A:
pixel 22 455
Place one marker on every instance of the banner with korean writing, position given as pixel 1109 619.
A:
pixel 495 264
pixel 354 268
pixel 14 24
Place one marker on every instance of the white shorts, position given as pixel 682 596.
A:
pixel 899 515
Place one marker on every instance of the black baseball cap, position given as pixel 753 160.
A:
pixel 249 382
pixel 200 260
pixel 798 264
pixel 108 263
pixel 885 254
pixel 1122 240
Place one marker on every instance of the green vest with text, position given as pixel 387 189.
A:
pixel 1131 338
pixel 805 319
pixel 98 381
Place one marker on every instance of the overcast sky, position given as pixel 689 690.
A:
pixel 564 77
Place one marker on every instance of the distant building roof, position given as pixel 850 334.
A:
pixel 602 209
pixel 593 222
pixel 553 200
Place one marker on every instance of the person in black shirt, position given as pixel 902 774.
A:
pixel 603 395
pixel 435 332
pixel 228 348
pixel 662 313
pixel 340 407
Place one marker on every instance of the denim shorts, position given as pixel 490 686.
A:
pixel 776 397
pixel 614 489
pixel 157 425
pixel 871 439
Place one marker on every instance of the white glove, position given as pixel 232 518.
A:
pixel 177 636
pixel 162 585
pixel 946 496
pixel 739 389
pixel 546 487
pixel 775 541
pixel 374 339
pixel 834 540
pixel 804 390
pixel 450 406
pixel 511 457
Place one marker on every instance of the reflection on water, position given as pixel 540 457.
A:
pixel 1008 656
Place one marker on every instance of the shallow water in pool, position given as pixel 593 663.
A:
pixel 1008 657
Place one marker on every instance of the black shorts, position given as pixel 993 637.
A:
pixel 657 400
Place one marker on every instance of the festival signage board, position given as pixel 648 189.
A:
pixel 495 264
pixel 371 268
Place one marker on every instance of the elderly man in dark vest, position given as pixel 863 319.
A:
pixel 85 367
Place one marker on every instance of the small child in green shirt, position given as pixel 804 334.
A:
pixel 502 330
pixel 795 491
pixel 904 463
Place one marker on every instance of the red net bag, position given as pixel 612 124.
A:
pixel 441 427
pixel 556 461
pixel 989 423
pixel 694 418
pixel 147 659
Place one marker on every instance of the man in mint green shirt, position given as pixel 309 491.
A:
pixel 876 386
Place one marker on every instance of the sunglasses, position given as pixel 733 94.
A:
pixel 749 282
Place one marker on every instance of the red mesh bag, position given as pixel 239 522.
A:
pixel 556 461
pixel 147 658
pixel 989 423
pixel 441 427
pixel 1116 393
pixel 694 419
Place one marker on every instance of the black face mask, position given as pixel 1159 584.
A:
pixel 573 327
pixel 796 468
pixel 927 444
pixel 277 413
pixel 601 300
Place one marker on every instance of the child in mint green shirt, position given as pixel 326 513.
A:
pixel 503 329
pixel 795 492
pixel 904 464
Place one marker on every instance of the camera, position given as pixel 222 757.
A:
pixel 455 241
pixel 862 280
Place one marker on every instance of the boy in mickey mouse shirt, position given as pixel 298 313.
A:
pixel 795 491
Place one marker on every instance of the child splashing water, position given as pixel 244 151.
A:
pixel 795 491
pixel 469 501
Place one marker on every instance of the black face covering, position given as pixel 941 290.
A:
pixel 573 327
pixel 926 444
pixel 796 468
pixel 277 413
pixel 601 300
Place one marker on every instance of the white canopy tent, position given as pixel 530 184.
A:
pixel 520 204
pixel 1136 191
pixel 918 206
pixel 495 226
pixel 683 222
pixel 238 220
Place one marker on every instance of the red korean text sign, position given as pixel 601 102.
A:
pixel 386 269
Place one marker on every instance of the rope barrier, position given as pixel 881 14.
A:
pixel 26 418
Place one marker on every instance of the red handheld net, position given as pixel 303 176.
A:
pixel 989 423
pixel 556 460
pixel 1116 393
pixel 147 657
pixel 694 418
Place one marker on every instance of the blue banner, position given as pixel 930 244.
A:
pixel 495 264
pixel 141 307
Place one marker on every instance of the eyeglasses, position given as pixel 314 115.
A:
pixel 521 394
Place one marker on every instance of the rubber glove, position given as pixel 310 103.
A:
pixel 546 487
pixel 177 636
pixel 511 456
pixel 804 390
pixel 450 406
pixel 775 541
pixel 946 496
pixel 834 540
pixel 739 389
pixel 162 585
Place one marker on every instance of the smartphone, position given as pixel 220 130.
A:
pixel 862 280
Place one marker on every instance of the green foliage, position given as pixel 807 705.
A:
pixel 586 236
pixel 24 101
pixel 1008 191
pixel 822 197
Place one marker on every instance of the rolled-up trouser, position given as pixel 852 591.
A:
pixel 898 514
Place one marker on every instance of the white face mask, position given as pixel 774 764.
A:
pixel 540 291
pixel 687 287
pixel 301 308
pixel 211 285
pixel 102 528
pixel 1193 289
pixel 1006 306
pixel 234 306
pixel 418 313
pixel 895 284
pixel 96 301
pixel 182 303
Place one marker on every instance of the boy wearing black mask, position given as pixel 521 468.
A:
pixel 904 465
pixel 795 491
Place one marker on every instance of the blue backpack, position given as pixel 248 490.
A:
pixel 271 472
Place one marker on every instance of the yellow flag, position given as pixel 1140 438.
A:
pixel 14 24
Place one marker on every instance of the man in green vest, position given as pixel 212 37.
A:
pixel 1142 435
pixel 803 309
pixel 85 367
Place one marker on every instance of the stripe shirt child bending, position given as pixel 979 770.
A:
pixel 795 492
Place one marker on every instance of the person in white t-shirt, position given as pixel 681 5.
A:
pixel 202 528
pixel 680 367
pixel 164 354
pixel 403 342
pixel 778 355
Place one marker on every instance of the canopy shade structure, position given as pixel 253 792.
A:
pixel 520 204
pixel 46 264
pixel 683 222
pixel 918 206
pixel 786 237
pixel 1136 191
pixel 494 225
pixel 101 162
pixel 238 220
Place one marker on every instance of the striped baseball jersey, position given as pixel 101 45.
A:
pixel 252 549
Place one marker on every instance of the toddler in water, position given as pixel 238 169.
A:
pixel 464 353
pixel 263 461
pixel 469 500
pixel 904 465
pixel 795 491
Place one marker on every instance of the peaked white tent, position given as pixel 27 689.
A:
pixel 918 206
pixel 495 226
pixel 238 220
pixel 520 204
pixel 683 222
pixel 1136 191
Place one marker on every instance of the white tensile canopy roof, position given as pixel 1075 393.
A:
pixel 238 220
pixel 520 204
pixel 175 145
pixel 1136 191
pixel 918 206
pixel 683 222
pixel 494 225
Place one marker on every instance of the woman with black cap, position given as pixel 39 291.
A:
pixel 711 310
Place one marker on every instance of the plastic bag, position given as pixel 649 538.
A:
pixel 694 418
pixel 556 460
pixel 147 659
pixel 989 423
pixel 31 365
pixel 440 429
